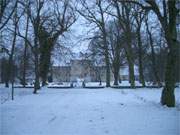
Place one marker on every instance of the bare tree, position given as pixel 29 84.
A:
pixel 116 41
pixel 139 17
pixel 97 57
pixel 125 19
pixel 25 58
pixel 34 16
pixel 95 14
pixel 60 21
pixel 9 70
pixel 153 55
pixel 48 25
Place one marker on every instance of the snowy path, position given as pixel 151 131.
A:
pixel 89 112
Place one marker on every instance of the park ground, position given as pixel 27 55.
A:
pixel 80 111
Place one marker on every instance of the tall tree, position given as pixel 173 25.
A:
pixel 48 25
pixel 139 17
pixel 55 26
pixel 125 19
pixel 9 70
pixel 25 58
pixel 153 55
pixel 34 10
pixel 115 40
pixel 95 13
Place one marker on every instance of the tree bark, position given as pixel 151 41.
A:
pixel 104 33
pixel 47 42
pixel 153 57
pixel 167 96
pixel 36 83
pixel 46 47
pixel 25 54
pixel 45 59
pixel 116 76
pixel 141 71
pixel 3 69
pixel 116 65
pixel 36 69
pixel 106 51
pixel 130 59
pixel 131 71
pixel 107 68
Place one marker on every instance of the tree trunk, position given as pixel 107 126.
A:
pixel 131 73
pixel 3 69
pixel 141 75
pixel 12 80
pixel 6 83
pixel 10 61
pixel 153 57
pixel 106 54
pixel 36 84
pixel 125 23
pixel 47 42
pixel 116 77
pixel 36 62
pixel 107 68
pixel 129 55
pixel 25 55
pixel 45 59
pixel 153 60
pixel 100 82
pixel 116 65
pixel 167 96
pixel 119 78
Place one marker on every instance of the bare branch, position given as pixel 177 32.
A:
pixel 6 21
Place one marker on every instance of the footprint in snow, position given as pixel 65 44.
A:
pixel 90 120
pixel 142 99
pixel 121 104
pixel 96 109
pixel 123 92
pixel 102 118
pixel 106 131
pixel 52 119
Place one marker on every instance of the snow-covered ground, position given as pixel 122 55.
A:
pixel 79 83
pixel 123 83
pixel 88 112
pixel 63 84
pixel 96 84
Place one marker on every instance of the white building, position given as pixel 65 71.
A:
pixel 84 69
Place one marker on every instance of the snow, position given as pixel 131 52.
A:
pixel 95 84
pixel 56 84
pixel 126 83
pixel 123 83
pixel 80 111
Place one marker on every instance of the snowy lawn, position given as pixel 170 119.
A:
pixel 88 112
